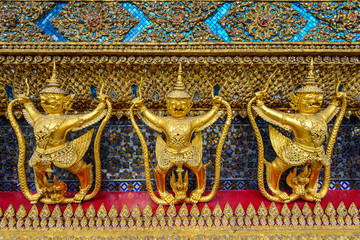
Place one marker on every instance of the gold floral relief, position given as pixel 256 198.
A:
pixel 336 21
pixel 94 21
pixel 17 21
pixel 177 21
pixel 262 21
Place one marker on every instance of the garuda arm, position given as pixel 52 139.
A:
pixel 150 119
pixel 203 121
pixel 281 119
pixel 78 122
pixel 330 112
pixel 31 114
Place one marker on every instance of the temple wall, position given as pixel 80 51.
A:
pixel 236 45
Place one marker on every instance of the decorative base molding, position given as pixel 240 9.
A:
pixel 241 217
pixel 187 234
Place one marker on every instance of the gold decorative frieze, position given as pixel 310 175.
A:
pixel 265 222
pixel 17 20
pixel 95 21
pixel 178 21
pixel 237 76
pixel 338 21
pixel 264 21
pixel 207 49
pixel 259 24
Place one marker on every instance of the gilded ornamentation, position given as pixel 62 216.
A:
pixel 344 224
pixel 230 72
pixel 52 147
pixel 179 151
pixel 17 21
pixel 185 21
pixel 94 21
pixel 262 21
pixel 177 21
pixel 337 21
pixel 305 151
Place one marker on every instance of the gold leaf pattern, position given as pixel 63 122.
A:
pixel 79 212
pixel 102 213
pixel 69 211
pixel 21 213
pixel 56 213
pixel 125 212
pixel 113 213
pixel 10 211
pixel 90 212
pixel 45 212
pixel 275 21
pixel 194 212
pixel 217 212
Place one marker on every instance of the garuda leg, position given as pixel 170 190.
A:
pixel 311 188
pixel 160 177
pixel 274 171
pixel 83 172
pixel 200 174
pixel 41 182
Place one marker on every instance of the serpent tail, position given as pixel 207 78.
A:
pixel 22 153
pixel 149 187
pixel 261 158
pixel 329 148
pixel 97 158
pixel 219 148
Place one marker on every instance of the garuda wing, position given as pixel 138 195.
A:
pixel 278 140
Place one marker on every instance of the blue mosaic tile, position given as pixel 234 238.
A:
pixel 144 22
pixel 311 23
pixel 213 24
pixel 45 23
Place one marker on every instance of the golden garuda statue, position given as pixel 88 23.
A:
pixel 52 148
pixel 305 151
pixel 178 150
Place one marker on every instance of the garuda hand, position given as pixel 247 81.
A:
pixel 217 101
pixel 23 99
pixel 137 102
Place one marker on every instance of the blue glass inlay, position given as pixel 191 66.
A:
pixel 216 90
pixel 312 22
pixel 340 88
pixel 144 22
pixel 45 24
pixel 9 92
pixel 93 92
pixel 134 90
pixel 212 22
